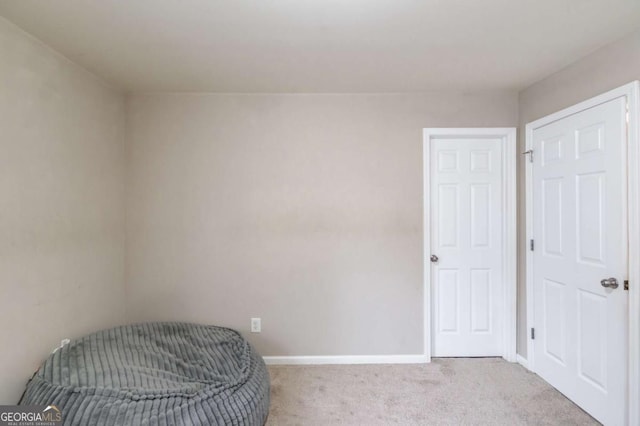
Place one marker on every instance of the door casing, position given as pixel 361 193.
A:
pixel 630 91
pixel 508 138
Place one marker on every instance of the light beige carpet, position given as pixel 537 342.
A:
pixel 449 391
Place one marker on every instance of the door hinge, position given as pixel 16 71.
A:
pixel 533 334
pixel 626 284
pixel 531 245
pixel 530 154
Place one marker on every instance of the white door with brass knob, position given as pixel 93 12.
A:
pixel 579 260
pixel 467 218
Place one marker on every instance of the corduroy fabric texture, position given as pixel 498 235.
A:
pixel 155 374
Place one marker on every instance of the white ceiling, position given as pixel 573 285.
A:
pixel 323 45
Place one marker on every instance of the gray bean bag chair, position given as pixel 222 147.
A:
pixel 155 374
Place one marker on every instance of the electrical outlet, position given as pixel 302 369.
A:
pixel 256 326
pixel 62 343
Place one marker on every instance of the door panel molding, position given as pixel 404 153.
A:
pixel 589 139
pixel 507 137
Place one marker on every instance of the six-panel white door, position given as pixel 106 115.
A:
pixel 580 238
pixel 466 236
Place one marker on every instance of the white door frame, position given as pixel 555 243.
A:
pixel 508 138
pixel 630 91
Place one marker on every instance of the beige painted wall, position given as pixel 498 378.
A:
pixel 605 69
pixel 304 210
pixel 62 205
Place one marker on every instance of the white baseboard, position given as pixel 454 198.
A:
pixel 345 359
pixel 522 361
